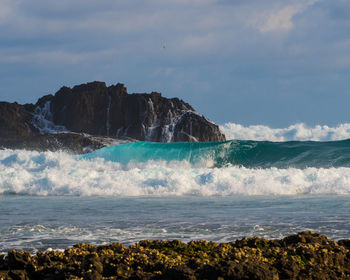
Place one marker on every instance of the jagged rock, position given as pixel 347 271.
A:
pixel 93 262
pixel 2 261
pixel 96 109
pixel 342 242
pixel 179 272
pixel 106 112
pixel 18 259
pixel 15 121
pixel 191 126
pixel 18 275
pixel 308 237
pixel 306 255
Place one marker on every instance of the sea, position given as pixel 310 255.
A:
pixel 262 182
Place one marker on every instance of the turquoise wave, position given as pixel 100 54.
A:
pixel 251 154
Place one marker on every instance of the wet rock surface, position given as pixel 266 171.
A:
pixel 15 121
pixel 69 142
pixel 306 255
pixel 98 110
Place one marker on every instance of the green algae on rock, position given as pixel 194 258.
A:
pixel 306 255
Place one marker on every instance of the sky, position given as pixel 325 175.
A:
pixel 268 62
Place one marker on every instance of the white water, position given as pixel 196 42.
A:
pixel 42 120
pixel 58 173
pixel 149 132
pixel 169 129
pixel 296 132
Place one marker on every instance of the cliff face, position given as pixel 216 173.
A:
pixel 15 120
pixel 96 109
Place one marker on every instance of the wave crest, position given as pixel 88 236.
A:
pixel 296 132
pixel 34 173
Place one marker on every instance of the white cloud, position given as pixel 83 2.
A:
pixel 280 19
pixel 190 29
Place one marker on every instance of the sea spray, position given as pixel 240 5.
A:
pixel 58 173
pixel 295 132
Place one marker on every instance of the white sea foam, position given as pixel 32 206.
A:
pixel 297 132
pixel 49 173
pixel 42 120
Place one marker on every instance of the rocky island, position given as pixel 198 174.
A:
pixel 92 115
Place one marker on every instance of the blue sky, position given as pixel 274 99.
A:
pixel 250 62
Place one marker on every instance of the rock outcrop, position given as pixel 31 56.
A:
pixel 15 121
pixel 96 109
pixel 106 112
pixel 77 143
pixel 306 255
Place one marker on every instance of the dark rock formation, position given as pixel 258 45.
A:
pixel 15 121
pixel 306 255
pixel 76 143
pixel 96 109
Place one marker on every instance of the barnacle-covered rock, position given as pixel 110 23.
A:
pixel 305 255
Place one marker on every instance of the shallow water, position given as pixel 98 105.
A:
pixel 34 222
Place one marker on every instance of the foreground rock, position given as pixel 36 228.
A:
pixel 306 255
pixel 98 110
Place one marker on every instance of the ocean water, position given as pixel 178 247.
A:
pixel 39 223
pixel 215 191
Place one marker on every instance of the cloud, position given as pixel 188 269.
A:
pixel 280 19
pixel 219 53
pixel 140 28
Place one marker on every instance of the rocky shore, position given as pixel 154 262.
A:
pixel 306 255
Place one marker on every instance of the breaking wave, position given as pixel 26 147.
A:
pixel 58 173
pixel 250 154
pixel 296 132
